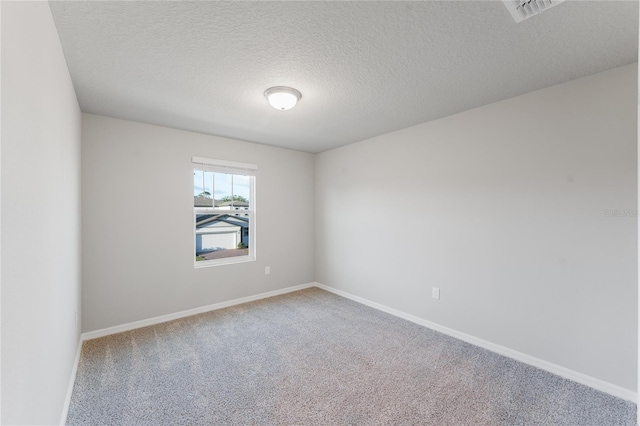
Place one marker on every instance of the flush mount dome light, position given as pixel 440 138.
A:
pixel 282 98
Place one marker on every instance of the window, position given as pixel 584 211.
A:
pixel 223 211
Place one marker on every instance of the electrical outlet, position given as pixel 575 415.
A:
pixel 267 270
pixel 76 317
pixel 435 292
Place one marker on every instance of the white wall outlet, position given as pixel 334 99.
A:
pixel 267 270
pixel 435 292
pixel 76 317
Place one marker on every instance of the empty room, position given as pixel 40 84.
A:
pixel 319 213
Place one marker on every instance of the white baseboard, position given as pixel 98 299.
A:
pixel 575 376
pixel 170 317
pixel 72 380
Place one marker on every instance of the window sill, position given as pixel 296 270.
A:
pixel 225 261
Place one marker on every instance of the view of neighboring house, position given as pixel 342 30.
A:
pixel 221 231
pixel 216 232
pixel 232 205
pixel 204 201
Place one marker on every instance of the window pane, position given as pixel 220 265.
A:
pixel 221 235
pixel 241 192
pixel 223 190
pixel 202 188
pixel 232 192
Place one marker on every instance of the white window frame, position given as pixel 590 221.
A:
pixel 236 168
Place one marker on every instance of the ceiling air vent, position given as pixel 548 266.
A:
pixel 525 9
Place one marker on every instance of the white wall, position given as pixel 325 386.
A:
pixel 506 206
pixel 138 178
pixel 40 203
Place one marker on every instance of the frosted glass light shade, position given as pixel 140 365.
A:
pixel 282 98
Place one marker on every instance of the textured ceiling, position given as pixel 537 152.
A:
pixel 364 68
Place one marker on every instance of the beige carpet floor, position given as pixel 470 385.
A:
pixel 314 358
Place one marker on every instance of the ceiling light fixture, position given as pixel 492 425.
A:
pixel 282 98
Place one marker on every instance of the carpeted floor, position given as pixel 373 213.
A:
pixel 314 358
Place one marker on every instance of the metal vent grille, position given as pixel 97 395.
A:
pixel 525 9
